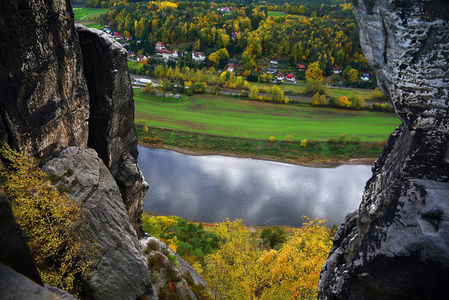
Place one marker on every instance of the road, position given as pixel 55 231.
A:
pixel 226 91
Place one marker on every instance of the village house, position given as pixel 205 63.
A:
pixel 365 76
pixel 164 53
pixel 302 67
pixel 141 57
pixel 175 53
pixel 280 77
pixel 225 9
pixel 234 36
pixel 336 70
pixel 117 36
pixel 231 67
pixel 291 78
pixel 198 56
pixel 160 46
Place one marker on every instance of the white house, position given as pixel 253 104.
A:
pixel 365 76
pixel 198 56
pixel 291 78
pixel 160 46
pixel 164 53
pixel 280 77
pixel 175 54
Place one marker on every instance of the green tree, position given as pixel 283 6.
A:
pixel 273 236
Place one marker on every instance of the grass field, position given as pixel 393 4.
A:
pixel 333 92
pixel 86 14
pixel 232 117
pixel 276 14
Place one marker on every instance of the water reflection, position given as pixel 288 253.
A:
pixel 212 188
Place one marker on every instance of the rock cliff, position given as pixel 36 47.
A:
pixel 111 125
pixel 396 246
pixel 44 98
pixel 121 271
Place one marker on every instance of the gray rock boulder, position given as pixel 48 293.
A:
pixel 43 93
pixel 120 269
pixel 111 125
pixel 14 286
pixel 396 246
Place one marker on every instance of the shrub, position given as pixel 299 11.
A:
pixel 303 143
pixel 50 220
pixel 272 139
pixel 343 102
pixel 289 138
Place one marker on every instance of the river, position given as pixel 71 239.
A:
pixel 212 188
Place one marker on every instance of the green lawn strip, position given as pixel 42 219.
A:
pixel 333 92
pixel 315 151
pixel 231 117
pixel 88 13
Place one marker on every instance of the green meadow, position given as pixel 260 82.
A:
pixel 89 16
pixel 237 117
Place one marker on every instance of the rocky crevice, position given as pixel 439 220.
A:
pixel 111 124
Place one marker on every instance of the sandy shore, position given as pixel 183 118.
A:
pixel 324 164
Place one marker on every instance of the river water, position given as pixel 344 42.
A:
pixel 212 188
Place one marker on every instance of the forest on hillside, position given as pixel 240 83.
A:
pixel 301 34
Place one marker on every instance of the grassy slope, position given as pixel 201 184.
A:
pixel 226 116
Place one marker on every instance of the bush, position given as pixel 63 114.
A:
pixel 303 143
pixel 289 138
pixel 272 139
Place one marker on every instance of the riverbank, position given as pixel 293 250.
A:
pixel 325 154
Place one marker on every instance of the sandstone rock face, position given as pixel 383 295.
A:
pixel 120 269
pixel 396 246
pixel 111 125
pixel 14 250
pixel 43 94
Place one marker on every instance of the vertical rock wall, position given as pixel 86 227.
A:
pixel 111 125
pixel 396 246
pixel 43 94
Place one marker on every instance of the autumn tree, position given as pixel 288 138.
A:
pixel 277 94
pixel 242 270
pixel 254 93
pixel 357 102
pixel 343 102
pixel 314 72
pixel 352 75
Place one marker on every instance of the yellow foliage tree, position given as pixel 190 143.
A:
pixel 51 221
pixel 254 93
pixel 241 269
